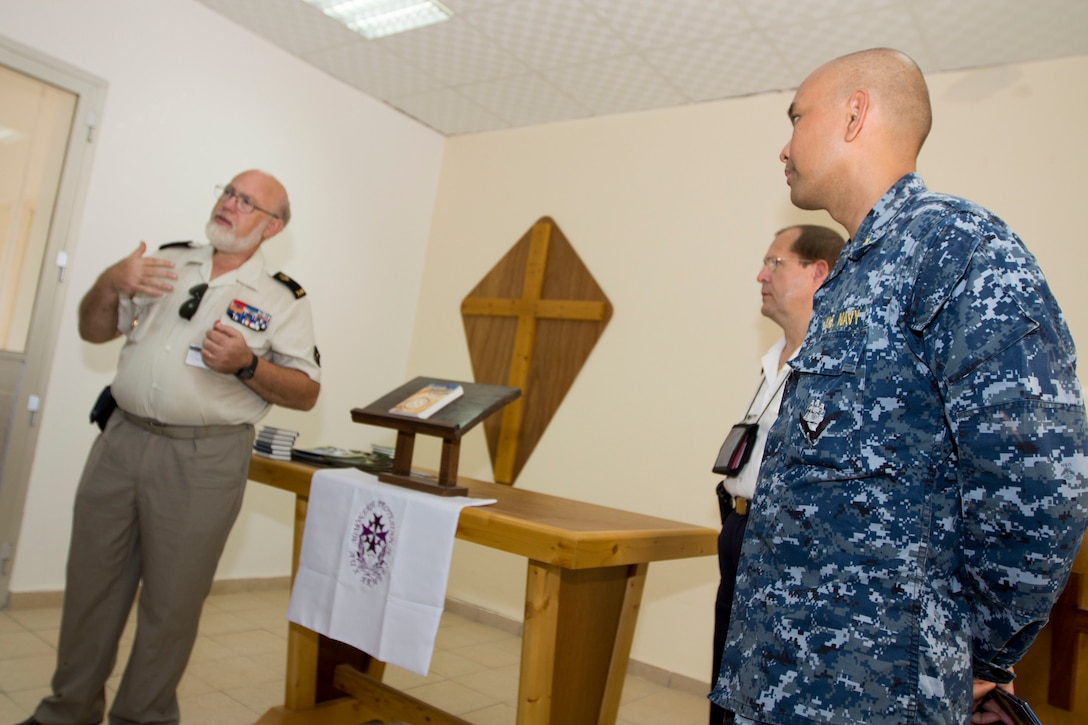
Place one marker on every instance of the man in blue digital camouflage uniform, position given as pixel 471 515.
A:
pixel 925 488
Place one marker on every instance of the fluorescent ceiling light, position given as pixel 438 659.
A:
pixel 378 18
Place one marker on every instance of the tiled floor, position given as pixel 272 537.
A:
pixel 237 669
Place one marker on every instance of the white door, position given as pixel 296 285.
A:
pixel 47 117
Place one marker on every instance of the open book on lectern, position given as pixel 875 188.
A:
pixel 428 400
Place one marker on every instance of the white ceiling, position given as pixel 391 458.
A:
pixel 508 63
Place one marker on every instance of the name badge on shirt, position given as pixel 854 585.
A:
pixel 193 357
pixel 249 316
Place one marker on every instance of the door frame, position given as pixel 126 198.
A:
pixel 90 92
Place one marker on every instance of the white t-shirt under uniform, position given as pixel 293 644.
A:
pixel 764 410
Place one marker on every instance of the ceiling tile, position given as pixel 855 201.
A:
pixel 777 13
pixel 806 45
pixel 729 66
pixel 373 69
pixel 525 100
pixel 548 34
pixel 454 52
pixel 616 85
pixel 450 113
pixel 291 24
pixel 1001 31
pixel 460 7
pixel 662 24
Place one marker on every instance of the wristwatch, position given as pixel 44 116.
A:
pixel 247 372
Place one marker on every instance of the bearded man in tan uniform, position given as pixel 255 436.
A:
pixel 213 340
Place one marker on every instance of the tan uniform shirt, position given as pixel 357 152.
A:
pixel 159 377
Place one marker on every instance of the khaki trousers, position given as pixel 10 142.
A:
pixel 152 512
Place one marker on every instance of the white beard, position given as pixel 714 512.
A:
pixel 225 240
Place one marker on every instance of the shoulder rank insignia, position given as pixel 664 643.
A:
pixel 292 285
pixel 168 245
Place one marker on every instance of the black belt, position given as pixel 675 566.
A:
pixel 181 431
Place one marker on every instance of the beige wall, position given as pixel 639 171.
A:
pixel 672 211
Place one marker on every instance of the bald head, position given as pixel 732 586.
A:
pixel 859 122
pixel 896 86
pixel 272 192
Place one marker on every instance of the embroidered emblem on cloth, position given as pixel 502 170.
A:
pixel 814 420
pixel 372 538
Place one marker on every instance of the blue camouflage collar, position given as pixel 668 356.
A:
pixel 878 221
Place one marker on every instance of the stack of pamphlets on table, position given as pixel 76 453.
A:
pixel 375 461
pixel 275 443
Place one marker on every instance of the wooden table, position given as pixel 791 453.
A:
pixel 587 568
pixel 1069 620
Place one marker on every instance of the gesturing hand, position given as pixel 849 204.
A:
pixel 137 274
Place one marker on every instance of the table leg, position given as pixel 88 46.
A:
pixel 625 636
pixel 593 613
pixel 300 691
pixel 311 657
pixel 1067 622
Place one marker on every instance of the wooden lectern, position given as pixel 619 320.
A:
pixel 450 424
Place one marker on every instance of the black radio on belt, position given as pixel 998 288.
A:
pixel 103 408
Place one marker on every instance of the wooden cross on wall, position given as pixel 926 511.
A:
pixel 531 323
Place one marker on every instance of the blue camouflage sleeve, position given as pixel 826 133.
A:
pixel 1004 360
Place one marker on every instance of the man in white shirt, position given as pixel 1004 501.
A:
pixel 796 264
